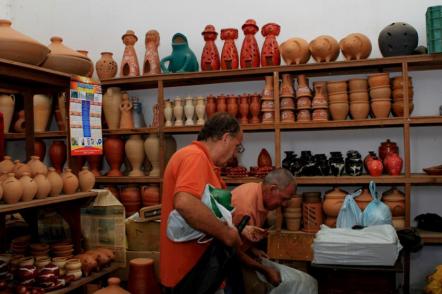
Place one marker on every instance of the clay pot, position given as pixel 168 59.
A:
pixel 359 110
pixel 386 148
pixel 91 69
pixel 399 93
pixel 380 92
pixel 381 108
pixel 86 179
pixel 126 117
pixel 338 97
pixel 7 104
pixel 150 195
pixel 19 47
pixel 339 110
pixel 7 165
pixel 210 55
pixel 287 86
pixel 398 108
pixel 374 166
pixel 358 85
pixel 42 111
pixel 135 154
pixel 379 79
pixel 287 103
pixel 270 55
pixel 333 201
pixel 152 150
pixel 131 199
pixel 20 124
pixel 112 288
pixel 336 87
pixel 359 96
pixel 303 88
pixel 264 159
pixel 210 106
pixel 102 258
pixel 229 53
pixel 295 51
pixel 142 269
pixel 324 49
pixel 114 154
pixel 70 182
pixel 255 107
pixel 40 149
pixel 106 66
pixel 21 168
pixel 249 50
pixel 355 46
pixel 320 99
pixel 56 182
pixel 393 164
pixel 12 189
pixel 57 154
pixel 363 199
pixel 395 199
pixel 29 187
pixel 37 167
pixel 312 211
pixel 232 105
pixel 303 103
pixel 44 186
pixel 303 115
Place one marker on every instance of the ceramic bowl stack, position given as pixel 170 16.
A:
pixel 39 249
pixel 359 98
pixel 268 105
pixel 20 245
pixel 287 95
pixel 303 102
pixel 293 213
pixel 62 249
pixel 338 99
pixel 398 96
pixel 380 94
pixel 320 102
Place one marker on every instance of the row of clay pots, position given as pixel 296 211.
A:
pixel 134 198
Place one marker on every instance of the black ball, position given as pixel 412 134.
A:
pixel 398 38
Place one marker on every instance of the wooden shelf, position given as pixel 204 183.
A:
pixel 336 124
pixel 425 120
pixel 425 179
pixel 127 180
pixel 83 281
pixel 241 180
pixel 350 180
pixel 140 131
pixel 245 127
pixel 9 208
pixel 41 135
pixel 430 237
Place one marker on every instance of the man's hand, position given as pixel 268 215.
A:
pixel 273 276
pixel 259 254
pixel 232 238
pixel 254 233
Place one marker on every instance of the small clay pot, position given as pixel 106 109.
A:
pixel 70 182
pixel 336 86
pixel 333 201
pixel 338 110
pixel 380 92
pixel 359 110
pixel 87 179
pixel 381 108
pixel 379 79
pixel 287 116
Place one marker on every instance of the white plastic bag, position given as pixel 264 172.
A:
pixel 350 214
pixel 178 230
pixel 376 212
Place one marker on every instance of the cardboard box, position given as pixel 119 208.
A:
pixel 142 235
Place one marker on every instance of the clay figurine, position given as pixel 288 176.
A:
pixel 250 51
pixel 229 54
pixel 129 64
pixel 151 64
pixel 210 55
pixel 270 49
pixel 182 58
pixel 126 119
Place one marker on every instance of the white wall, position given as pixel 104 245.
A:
pixel 98 26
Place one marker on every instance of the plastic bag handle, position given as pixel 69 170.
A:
pixel 373 192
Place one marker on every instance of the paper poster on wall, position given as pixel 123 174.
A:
pixel 85 103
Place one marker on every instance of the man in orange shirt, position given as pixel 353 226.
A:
pixel 188 172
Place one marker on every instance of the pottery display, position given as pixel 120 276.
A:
pixel 44 186
pixel 37 167
pixel 398 38
pixel 250 56
pixel 86 179
pixel 12 189
pixel 393 164
pixel 182 58
pixel 70 181
pixel 324 48
pixel 135 154
pixel 64 59
pixel 7 103
pixel 229 53
pixel 151 65
pixel 355 46
pixel 19 47
pixel 57 155
pixel 106 66
pixel 56 182
pixel 129 64
pixel 152 150
pixel 295 51
pixel 113 149
pixel 42 111
pixel 270 55
pixel 126 118
pixel 210 55
pixel 111 107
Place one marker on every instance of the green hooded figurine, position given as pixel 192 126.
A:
pixel 182 58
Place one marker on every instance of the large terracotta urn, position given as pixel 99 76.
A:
pixel 135 154
pixel 355 46
pixel 250 56
pixel 229 54
pixel 19 47
pixel 44 186
pixel 151 65
pixel 152 149
pixel 295 51
pixel 95 163
pixel 70 182
pixel 42 111
pixel 12 189
pixel 210 55
pixel 106 66
pixel 86 179
pixel 114 154
pixel 56 182
pixel 324 48
pixel 29 187
pixel 112 288
pixel 7 103
pixel 57 154
pixel 270 54
pixel 111 107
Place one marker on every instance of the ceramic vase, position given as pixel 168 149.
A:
pixel 151 65
pixel 129 64
pixel 200 110
pixel 106 66
pixel 264 159
pixel 86 179
pixel 135 154
pixel 126 118
pixel 210 106
pixel 44 186
pixel 244 108
pixel 178 112
pixel 7 103
pixel 29 187
pixel 210 55
pixel 57 154
pixel 137 114
pixel 393 164
pixel 221 105
pixel 387 147
pixel 170 147
pixel 255 107
pixel 374 166
pixel 250 56
pixel 70 182
pixel 270 55
pixel 232 105
pixel 37 167
pixel 95 163
pixel 111 107
pixel 39 148
pixel 168 113
pixel 42 110
pixel 114 153
pixel 152 150
pixel 112 288
pixel 7 165
pixel 56 182
pixel 229 54
pixel 12 189
pixel 189 111
pixel 295 51
pixel 287 86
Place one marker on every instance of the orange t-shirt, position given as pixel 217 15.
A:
pixel 247 200
pixel 188 170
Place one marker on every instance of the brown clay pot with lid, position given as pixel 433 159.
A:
pixel 363 199
pixel 113 287
pixel 311 211
pixel 395 199
pixel 387 147
pixel 333 201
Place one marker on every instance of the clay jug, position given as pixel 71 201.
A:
pixel 270 55
pixel 20 124
pixel 12 189
pixel 142 269
pixel 178 112
pixel 95 163
pixel 363 199
pixel 151 65
pixel 29 187
pixel 395 199
pixel 129 64
pixel 229 54
pixel 39 148
pixel 111 107
pixel 393 164
pixel 200 110
pixel 221 105
pixel 189 111
pixel 135 154
pixel 168 113
pixel 21 168
pixel 333 201
pixel 255 108
pixel 131 199
pixel 250 56
pixel 70 182
pixel 126 117
pixel 37 167
pixel 56 182
pixel 44 186
pixel 244 108
pixel 324 49
pixel 264 159
pixel 355 46
pixel 210 54
pixel 57 154
pixel 42 111
pixel 114 153
pixel 170 147
pixel 295 51
pixel 150 195
pixel 232 105
pixel 152 149
pixel 7 103
pixel 7 165
pixel 112 288
pixel 106 66
pixel 86 179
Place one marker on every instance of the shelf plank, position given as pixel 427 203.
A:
pixel 139 131
pixel 241 180
pixel 244 127
pixel 354 123
pixel 350 180
pixel 85 280
pixel 8 208
pixel 41 135
pixel 127 180
pixel 426 120
pixel 430 237
pixel 424 179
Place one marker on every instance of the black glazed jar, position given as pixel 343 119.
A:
pixel 336 163
pixel 353 163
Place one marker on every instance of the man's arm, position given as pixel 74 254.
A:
pixel 201 218
pixel 272 274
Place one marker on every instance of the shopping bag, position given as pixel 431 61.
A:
pixel 376 212
pixel 350 214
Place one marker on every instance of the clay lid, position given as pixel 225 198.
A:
pixel 209 29
pixel 58 48
pixel 141 261
pixel 129 33
pixel 250 22
pixel 8 33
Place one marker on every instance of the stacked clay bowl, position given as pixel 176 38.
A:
pixel 39 249
pixel 293 213
pixel 359 98
pixel 303 100
pixel 398 96
pixel 338 99
pixel 380 94
pixel 320 102
pixel 62 249
pixel 287 94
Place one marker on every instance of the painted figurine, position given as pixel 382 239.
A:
pixel 182 58
pixel 129 64
pixel 270 49
pixel 210 55
pixel 151 64
pixel 250 50
pixel 229 55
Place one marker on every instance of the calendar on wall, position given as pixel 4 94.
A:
pixel 85 104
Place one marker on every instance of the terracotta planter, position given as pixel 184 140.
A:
pixel 29 187
pixel 320 115
pixel 129 64
pixel 304 115
pixel 70 182
pixel 114 153
pixel 398 82
pixel 111 107
pixel 229 54
pixel 152 150
pixel 398 108
pixel 355 46
pixel 339 111
pixel 249 50
pixel 42 111
pixel 270 55
pixel 287 116
pixel 359 110
pixel 86 179
pixel 57 154
pixel 44 186
pixel 210 55
pixel 336 87
pixel 106 66
pixel 295 51
pixel 56 182
pixel 7 104
pixel 380 92
pixel 151 65
pixel 399 93
pixel 324 49
pixel 338 97
pixel 359 96
pixel 135 154
pixel 142 277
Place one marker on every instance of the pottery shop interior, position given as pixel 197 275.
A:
pixel 316 131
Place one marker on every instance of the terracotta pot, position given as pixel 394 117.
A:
pixel 393 164
pixel 152 150
pixel 333 201
pixel 42 111
pixel 114 154
pixel 135 154
pixel 338 97
pixel 255 107
pixel 358 85
pixel 70 182
pixel 398 108
pixel 397 82
pixel 12 189
pixel 295 51
pixel 374 167
pixel 249 50
pixel 324 49
pixel 142 269
pixel 399 93
pixel 86 179
pixel 303 103
pixel 379 79
pixel 270 55
pixel 330 222
pixel 91 68
pixel 95 163
pixel 264 159
pixel 221 105
pixel 380 92
pixel 303 87
pixel 56 182
pixel 106 66
pixel 381 108
pixel 150 195
pixel 229 54
pixel 87 263
pixel 395 199
pixel 338 111
pixel 7 165
pixel 112 288
pixel 7 104
pixel 57 154
pixel 320 115
pixel 311 212
pixel 287 86
pixel 320 98
pixel 386 148
pixel 287 116
pixel 19 47
pixel 210 106
pixel 287 103
pixel 29 187
pixel 303 115
pixel 210 55
pixel 355 46
pixel 359 110
pixel 37 167
pixel 232 105
pixel 336 86
pixel 363 199
pixel 44 186
pixel 131 199
pixel 102 258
